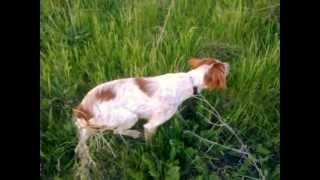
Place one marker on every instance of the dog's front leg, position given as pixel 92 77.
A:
pixel 156 120
pixel 150 128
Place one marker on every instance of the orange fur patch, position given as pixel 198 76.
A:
pixel 144 85
pixel 81 112
pixel 215 77
pixel 195 62
pixel 105 94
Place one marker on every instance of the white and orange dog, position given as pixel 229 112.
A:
pixel 119 104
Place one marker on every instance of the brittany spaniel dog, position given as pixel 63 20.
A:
pixel 118 105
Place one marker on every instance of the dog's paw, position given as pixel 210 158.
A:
pixel 133 133
pixel 148 136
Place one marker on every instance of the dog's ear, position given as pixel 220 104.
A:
pixel 215 78
pixel 195 62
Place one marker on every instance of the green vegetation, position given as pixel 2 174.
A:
pixel 84 43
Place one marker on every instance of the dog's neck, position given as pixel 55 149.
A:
pixel 197 76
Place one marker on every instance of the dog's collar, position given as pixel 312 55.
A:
pixel 195 88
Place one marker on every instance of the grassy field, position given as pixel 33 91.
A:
pixel 84 43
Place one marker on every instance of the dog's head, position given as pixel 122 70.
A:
pixel 215 76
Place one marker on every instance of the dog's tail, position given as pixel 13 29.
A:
pixel 81 119
pixel 82 115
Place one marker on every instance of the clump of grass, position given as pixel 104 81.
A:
pixel 84 43
pixel 224 51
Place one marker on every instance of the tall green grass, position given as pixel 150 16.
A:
pixel 84 43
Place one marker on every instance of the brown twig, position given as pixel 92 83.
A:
pixel 244 151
